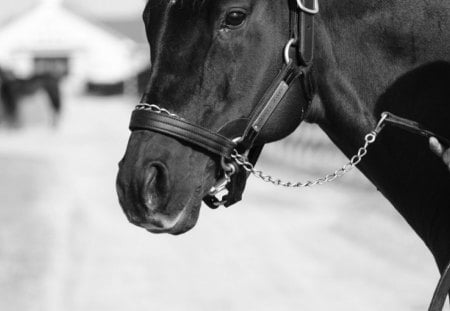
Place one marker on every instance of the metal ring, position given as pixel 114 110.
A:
pixel 229 168
pixel 237 140
pixel 380 124
pixel 312 11
pixel 287 57
pixel 371 138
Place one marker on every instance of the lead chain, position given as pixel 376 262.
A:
pixel 355 160
pixel 242 160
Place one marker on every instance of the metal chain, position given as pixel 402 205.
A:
pixel 355 160
pixel 242 160
pixel 156 109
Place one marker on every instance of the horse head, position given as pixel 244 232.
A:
pixel 212 64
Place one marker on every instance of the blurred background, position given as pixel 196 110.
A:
pixel 65 245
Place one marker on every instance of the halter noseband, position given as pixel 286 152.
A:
pixel 153 118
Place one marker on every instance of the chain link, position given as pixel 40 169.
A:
pixel 156 109
pixel 242 161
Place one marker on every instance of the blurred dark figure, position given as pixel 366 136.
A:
pixel 7 100
pixel 13 89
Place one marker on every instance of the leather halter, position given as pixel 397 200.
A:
pixel 302 39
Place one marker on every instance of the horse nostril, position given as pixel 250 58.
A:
pixel 155 187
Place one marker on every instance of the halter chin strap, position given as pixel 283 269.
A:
pixel 297 69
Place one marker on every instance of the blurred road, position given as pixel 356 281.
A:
pixel 65 245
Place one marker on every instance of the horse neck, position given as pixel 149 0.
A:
pixel 352 75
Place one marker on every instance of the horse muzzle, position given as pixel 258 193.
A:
pixel 161 183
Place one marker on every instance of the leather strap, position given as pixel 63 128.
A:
pixel 413 127
pixel 302 30
pixel 183 130
pixel 441 292
pixel 306 35
pixel 268 104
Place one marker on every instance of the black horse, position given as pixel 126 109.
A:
pixel 214 60
pixel 13 89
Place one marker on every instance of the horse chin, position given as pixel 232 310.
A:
pixel 182 223
pixel 175 223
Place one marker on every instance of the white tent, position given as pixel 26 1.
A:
pixel 50 35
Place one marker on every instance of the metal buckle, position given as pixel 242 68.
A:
pixel 220 188
pixel 312 11
pixel 221 185
pixel 381 124
pixel 287 50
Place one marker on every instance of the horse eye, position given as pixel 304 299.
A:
pixel 235 18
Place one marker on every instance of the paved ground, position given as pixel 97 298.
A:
pixel 65 246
